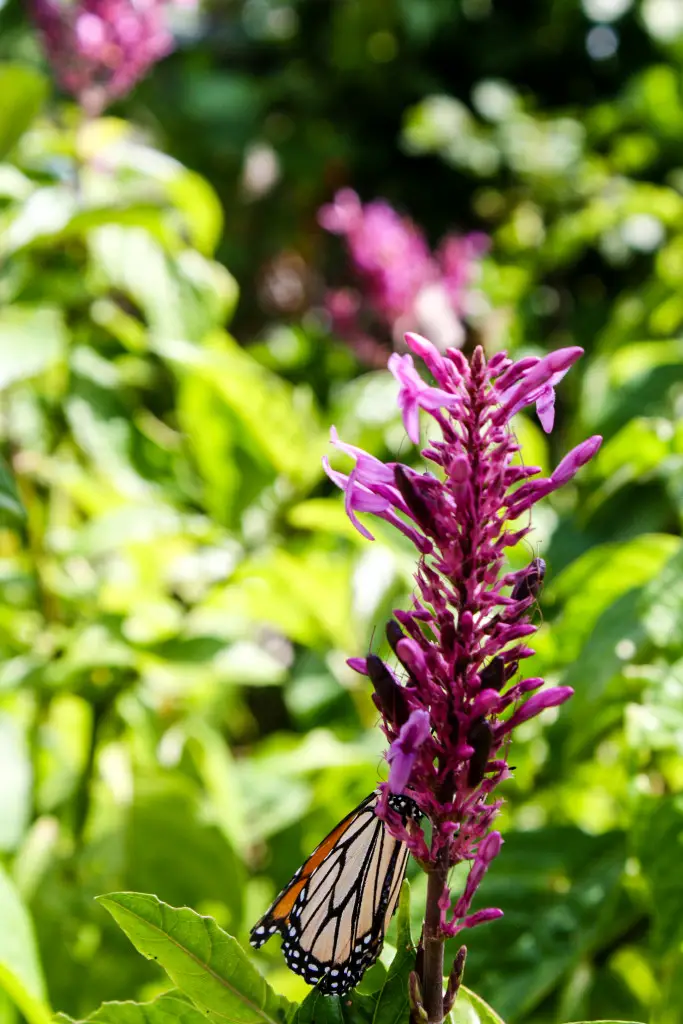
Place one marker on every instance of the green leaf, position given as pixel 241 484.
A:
pixel 20 972
pixel 471 1009
pixel 32 339
pixel 658 839
pixel 164 1010
pixel 205 963
pixel 573 882
pixel 23 91
pixel 393 1006
pixel 604 1022
pixel 17 774
pixel 11 509
pixel 592 583
pixel 277 423
pixel 349 1009
pixel 168 813
pixel 662 603
pixel 197 200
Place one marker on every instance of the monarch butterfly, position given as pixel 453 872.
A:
pixel 333 914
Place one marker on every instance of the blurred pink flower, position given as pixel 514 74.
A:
pixel 99 49
pixel 401 282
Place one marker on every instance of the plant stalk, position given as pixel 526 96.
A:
pixel 432 980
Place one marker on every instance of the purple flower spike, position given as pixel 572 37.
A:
pixel 450 703
pixel 99 49
pixel 404 750
pixel 401 285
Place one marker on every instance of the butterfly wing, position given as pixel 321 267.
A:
pixel 334 912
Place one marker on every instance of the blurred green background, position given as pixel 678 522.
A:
pixel 179 587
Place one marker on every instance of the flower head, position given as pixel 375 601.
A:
pixel 401 283
pixel 460 645
pixel 99 49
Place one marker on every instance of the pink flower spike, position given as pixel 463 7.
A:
pixel 575 459
pixel 99 49
pixel 458 691
pixel 404 750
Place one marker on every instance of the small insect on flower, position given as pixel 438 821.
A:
pixel 333 914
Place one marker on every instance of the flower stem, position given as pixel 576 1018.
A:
pixel 432 987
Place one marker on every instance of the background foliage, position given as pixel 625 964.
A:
pixel 179 586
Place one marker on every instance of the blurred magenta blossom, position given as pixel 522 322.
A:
pixel 449 708
pixel 401 283
pixel 99 49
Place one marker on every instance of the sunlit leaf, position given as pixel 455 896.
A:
pixel 32 339
pixel 164 1010
pixel 203 961
pixel 277 424
pixel 11 508
pixel 21 976
pixel 471 1009
pixel 23 90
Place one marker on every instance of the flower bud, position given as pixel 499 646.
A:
pixel 493 675
pixel 389 697
pixel 418 1012
pixel 479 737
pixel 455 979
pixel 394 634
pixel 413 498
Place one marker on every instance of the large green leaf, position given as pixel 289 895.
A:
pixel 662 604
pixel 21 976
pixel 205 963
pixel 168 813
pixel 593 582
pixel 658 840
pixel 164 1010
pixel 23 90
pixel 573 882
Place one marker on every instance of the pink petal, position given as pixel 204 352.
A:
pixel 575 459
